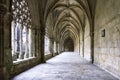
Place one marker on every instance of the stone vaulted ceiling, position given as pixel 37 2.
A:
pixel 66 18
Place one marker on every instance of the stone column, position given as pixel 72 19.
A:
pixel 33 43
pixel 21 42
pixel 3 11
pixel 57 44
pixel 14 42
pixel 39 40
pixel 83 45
pixel 39 43
pixel 92 45
pixel 61 48
pixel 42 34
pixel 36 41
pixel 26 46
pixel 58 48
pixel 30 43
pixel 52 46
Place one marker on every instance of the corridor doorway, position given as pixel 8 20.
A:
pixel 69 45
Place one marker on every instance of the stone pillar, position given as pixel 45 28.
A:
pixel 3 11
pixel 92 45
pixel 21 42
pixel 26 48
pixel 14 42
pixel 33 43
pixel 39 40
pixel 37 34
pixel 42 34
pixel 30 43
pixel 36 41
pixel 57 48
pixel 52 46
pixel 83 45
pixel 60 48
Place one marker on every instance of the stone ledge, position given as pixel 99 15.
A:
pixel 24 60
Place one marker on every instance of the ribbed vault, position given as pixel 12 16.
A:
pixel 66 18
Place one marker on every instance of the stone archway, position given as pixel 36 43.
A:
pixel 70 18
pixel 69 45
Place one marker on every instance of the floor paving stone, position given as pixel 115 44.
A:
pixel 66 66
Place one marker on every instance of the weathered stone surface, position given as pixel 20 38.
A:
pixel 107 49
pixel 66 66
pixel 87 42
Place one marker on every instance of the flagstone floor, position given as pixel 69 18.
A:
pixel 66 66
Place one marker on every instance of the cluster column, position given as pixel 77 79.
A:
pixel 3 10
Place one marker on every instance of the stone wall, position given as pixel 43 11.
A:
pixel 7 67
pixel 107 35
pixel 23 65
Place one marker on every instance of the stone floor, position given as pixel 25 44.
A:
pixel 66 66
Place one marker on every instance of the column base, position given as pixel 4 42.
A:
pixel 3 74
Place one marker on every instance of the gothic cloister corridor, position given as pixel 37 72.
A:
pixel 59 39
pixel 66 66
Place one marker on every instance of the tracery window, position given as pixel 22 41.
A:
pixel 21 30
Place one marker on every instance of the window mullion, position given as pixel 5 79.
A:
pixel 30 42
pixel 14 41
pixel 21 43
pixel 26 44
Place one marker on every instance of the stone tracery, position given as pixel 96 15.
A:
pixel 21 25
